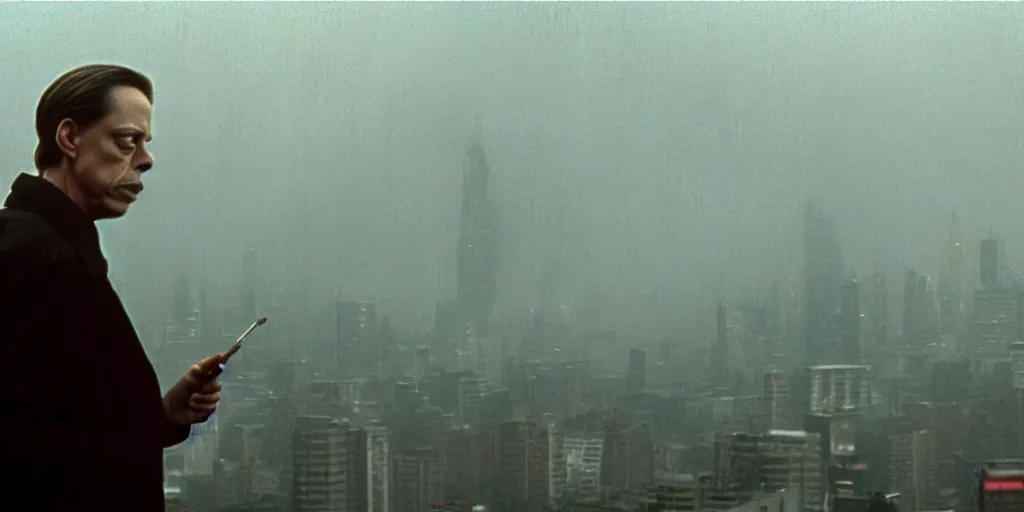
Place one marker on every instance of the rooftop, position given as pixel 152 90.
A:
pixel 788 433
pixel 826 367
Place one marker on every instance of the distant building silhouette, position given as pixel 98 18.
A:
pixel 823 266
pixel 477 251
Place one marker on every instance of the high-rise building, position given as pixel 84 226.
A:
pixel 911 301
pixel 330 466
pixel 919 320
pixel 850 321
pixel 534 347
pixel 952 283
pixel 775 344
pixel 378 469
pixel 289 378
pixel 201 449
pixel 842 463
pixel 823 261
pixel 775 400
pixel 525 471
pixel 583 452
pixel 951 381
pixel 830 388
pixel 911 465
pixel 997 318
pixel 185 321
pixel 627 462
pixel 422 364
pixel 477 252
pixel 1001 486
pixel 636 372
pixel 876 313
pixel 720 350
pixel 775 460
pixel 358 340
pixel 989 264
pixel 418 479
pixel 472 391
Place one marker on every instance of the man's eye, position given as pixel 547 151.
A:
pixel 128 141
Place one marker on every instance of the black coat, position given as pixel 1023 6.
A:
pixel 82 425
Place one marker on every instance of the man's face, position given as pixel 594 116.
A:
pixel 111 155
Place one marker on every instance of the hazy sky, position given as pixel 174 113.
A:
pixel 634 146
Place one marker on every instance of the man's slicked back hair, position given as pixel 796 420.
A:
pixel 82 95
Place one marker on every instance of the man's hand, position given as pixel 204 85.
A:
pixel 194 397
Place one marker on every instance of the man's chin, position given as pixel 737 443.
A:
pixel 112 210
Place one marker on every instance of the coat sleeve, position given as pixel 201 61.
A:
pixel 42 440
pixel 175 434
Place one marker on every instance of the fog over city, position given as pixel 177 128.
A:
pixel 529 256
pixel 663 148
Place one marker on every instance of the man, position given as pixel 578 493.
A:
pixel 82 422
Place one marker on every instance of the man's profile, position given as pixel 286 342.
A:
pixel 83 424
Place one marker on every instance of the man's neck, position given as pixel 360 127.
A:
pixel 61 178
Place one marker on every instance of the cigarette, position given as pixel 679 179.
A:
pixel 238 343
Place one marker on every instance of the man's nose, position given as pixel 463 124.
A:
pixel 144 160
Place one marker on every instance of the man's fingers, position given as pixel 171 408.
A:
pixel 201 409
pixel 205 399
pixel 204 409
pixel 207 367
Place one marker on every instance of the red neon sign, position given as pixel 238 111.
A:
pixel 1006 485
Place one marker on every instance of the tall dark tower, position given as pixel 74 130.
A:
pixel 636 371
pixel 952 287
pixel 182 302
pixel 534 342
pixel 989 264
pixel 186 317
pixel 876 308
pixel 774 343
pixel 823 260
pixel 720 353
pixel 358 349
pixel 477 253
pixel 207 327
pixel 912 302
pixel 850 312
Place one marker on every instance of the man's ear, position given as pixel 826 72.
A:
pixel 68 138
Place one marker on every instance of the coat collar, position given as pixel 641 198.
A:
pixel 41 198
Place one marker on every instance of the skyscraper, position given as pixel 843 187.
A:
pixel 636 371
pixel 330 466
pixel 823 262
pixel 775 400
pixel 534 345
pixel 989 264
pixel 477 252
pixel 776 335
pixel 378 464
pixel 850 323
pixel 720 350
pixel 875 308
pixel 185 324
pixel 357 348
pixel 952 286
pixel 919 321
